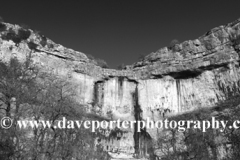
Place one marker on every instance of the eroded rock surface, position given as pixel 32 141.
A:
pixel 195 73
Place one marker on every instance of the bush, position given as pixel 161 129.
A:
pixel 3 27
pixel 99 62
pixel 17 37
pixel 32 45
pixel 24 34
pixel 11 35
pixel 37 32
pixel 202 145
pixel 50 45
pixel 176 48
pixel 90 56
pixel 43 41
pixel 173 43
pixel 102 63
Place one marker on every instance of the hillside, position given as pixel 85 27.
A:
pixel 174 80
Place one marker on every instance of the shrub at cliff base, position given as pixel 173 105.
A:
pixel 198 145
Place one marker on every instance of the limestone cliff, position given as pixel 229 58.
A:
pixel 195 73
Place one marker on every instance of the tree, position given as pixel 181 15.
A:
pixel 174 45
pixel 196 144
pixel 38 95
pixel 102 63
pixel 17 86
pixel 17 37
pixel 24 34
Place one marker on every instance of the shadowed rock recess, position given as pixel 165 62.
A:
pixel 193 74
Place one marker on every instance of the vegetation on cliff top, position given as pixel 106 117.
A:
pixel 97 61
pixel 17 36
pixel 23 32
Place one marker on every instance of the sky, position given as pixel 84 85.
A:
pixel 120 31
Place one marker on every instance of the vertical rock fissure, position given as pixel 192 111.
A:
pixel 178 94
pixel 137 115
pixel 142 139
pixel 120 88
pixel 98 93
pixel 95 94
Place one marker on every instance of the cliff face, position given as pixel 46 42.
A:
pixel 193 74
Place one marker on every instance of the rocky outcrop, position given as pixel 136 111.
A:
pixel 192 74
